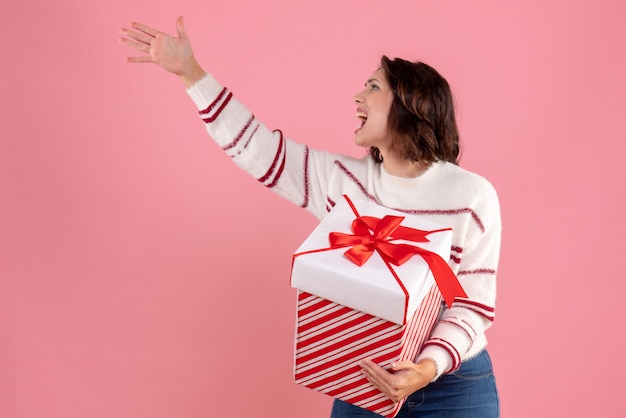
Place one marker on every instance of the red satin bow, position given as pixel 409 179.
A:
pixel 363 243
pixel 373 234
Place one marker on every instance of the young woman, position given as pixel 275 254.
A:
pixel 408 126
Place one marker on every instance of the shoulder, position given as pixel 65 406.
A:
pixel 464 181
pixel 463 188
pixel 348 164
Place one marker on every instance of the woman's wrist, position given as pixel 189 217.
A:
pixel 429 368
pixel 194 74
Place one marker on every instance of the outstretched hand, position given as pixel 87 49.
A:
pixel 173 54
pixel 404 378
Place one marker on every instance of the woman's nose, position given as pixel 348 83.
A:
pixel 358 98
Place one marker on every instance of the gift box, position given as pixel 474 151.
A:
pixel 370 282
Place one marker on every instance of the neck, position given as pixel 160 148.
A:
pixel 400 167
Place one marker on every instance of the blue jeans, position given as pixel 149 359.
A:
pixel 469 392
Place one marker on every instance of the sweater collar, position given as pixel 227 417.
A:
pixel 391 182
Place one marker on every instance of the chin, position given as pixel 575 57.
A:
pixel 360 141
pixel 369 139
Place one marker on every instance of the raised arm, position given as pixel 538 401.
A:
pixel 290 169
pixel 173 54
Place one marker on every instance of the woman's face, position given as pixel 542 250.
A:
pixel 373 104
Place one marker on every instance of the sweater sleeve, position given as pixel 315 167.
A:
pixel 292 170
pixel 460 332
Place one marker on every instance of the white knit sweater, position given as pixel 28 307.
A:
pixel 315 180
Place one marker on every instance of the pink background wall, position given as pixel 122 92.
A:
pixel 123 292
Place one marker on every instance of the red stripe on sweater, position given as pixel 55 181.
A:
pixel 457 325
pixel 277 157
pixel 306 177
pixel 239 135
pixel 456 257
pixel 468 325
pixel 488 312
pixel 476 271
pixel 465 323
pixel 330 204
pixel 219 109
pixel 256 128
pixel 474 303
pixel 488 317
pixel 454 355
pixel 210 107
pixel 279 173
pixel 355 180
pixel 473 214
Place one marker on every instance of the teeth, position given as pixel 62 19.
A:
pixel 361 115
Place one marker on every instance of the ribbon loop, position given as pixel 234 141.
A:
pixel 373 234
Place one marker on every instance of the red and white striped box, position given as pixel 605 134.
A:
pixel 347 312
pixel 331 339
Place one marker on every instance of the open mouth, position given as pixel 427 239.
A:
pixel 360 114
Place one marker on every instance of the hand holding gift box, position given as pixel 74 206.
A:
pixel 354 303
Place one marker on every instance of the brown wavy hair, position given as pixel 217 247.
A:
pixel 422 118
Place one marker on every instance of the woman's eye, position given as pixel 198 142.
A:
pixel 373 87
